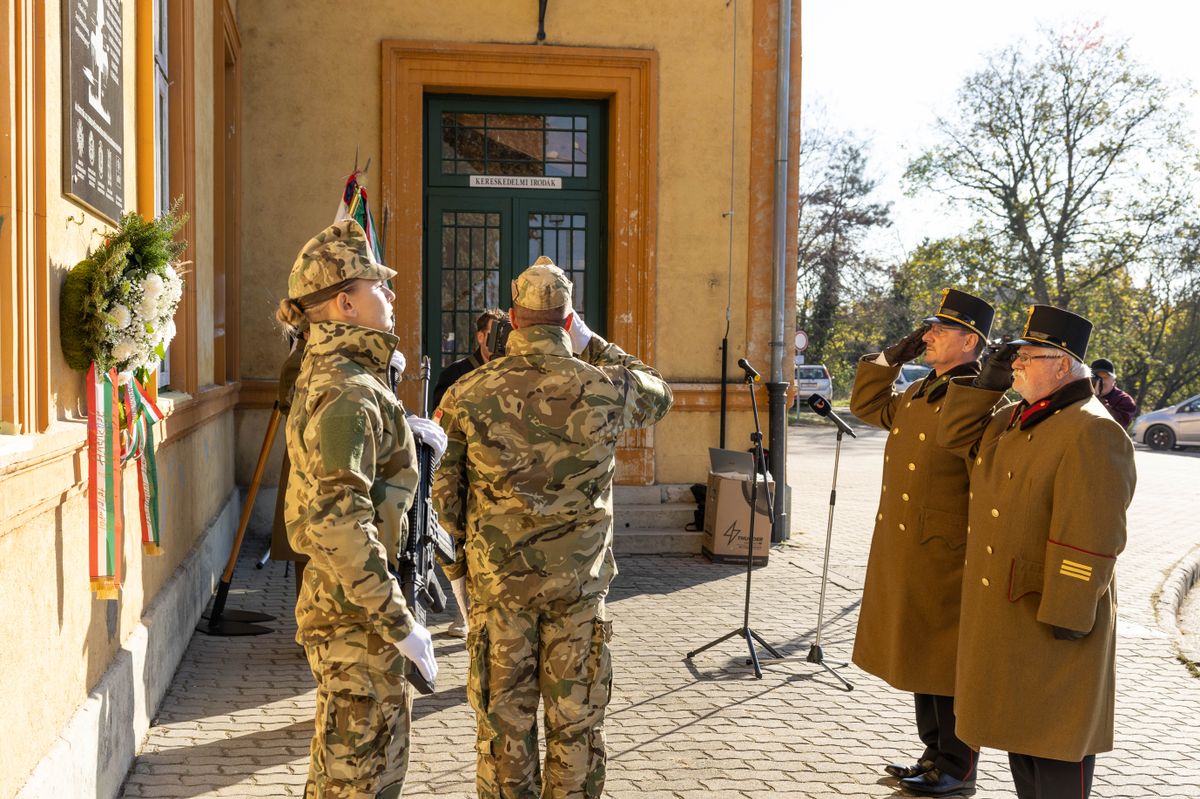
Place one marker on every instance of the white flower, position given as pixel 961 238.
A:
pixel 124 349
pixel 173 285
pixel 153 286
pixel 147 309
pixel 122 316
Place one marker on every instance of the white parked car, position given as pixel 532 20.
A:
pixel 1167 428
pixel 909 374
pixel 812 379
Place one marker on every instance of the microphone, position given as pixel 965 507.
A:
pixel 751 373
pixel 823 408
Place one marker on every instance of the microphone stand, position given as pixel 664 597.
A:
pixel 815 653
pixel 760 467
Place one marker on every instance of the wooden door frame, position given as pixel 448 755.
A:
pixel 628 79
pixel 227 79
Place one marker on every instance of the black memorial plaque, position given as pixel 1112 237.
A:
pixel 93 101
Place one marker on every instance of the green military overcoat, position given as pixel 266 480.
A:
pixel 1049 488
pixel 908 623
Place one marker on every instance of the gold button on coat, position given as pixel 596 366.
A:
pixel 921 436
pixel 879 518
pixel 895 430
pixel 912 467
pixel 978 461
pixel 985 581
pixel 902 528
pixel 995 513
pixel 904 497
pixel 989 549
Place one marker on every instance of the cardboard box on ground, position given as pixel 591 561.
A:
pixel 727 509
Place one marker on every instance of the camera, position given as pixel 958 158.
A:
pixel 497 340
pixel 994 345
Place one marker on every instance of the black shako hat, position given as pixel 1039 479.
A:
pixel 1048 326
pixel 965 310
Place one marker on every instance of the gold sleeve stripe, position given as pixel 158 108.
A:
pixel 1078 575
pixel 1083 567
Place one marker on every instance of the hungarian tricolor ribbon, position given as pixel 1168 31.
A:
pixel 107 398
pixel 105 510
pixel 143 415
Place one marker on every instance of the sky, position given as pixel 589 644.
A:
pixel 884 70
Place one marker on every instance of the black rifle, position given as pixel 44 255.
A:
pixel 426 543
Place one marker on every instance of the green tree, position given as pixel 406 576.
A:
pixel 1074 157
pixel 836 213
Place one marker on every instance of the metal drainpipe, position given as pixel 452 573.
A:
pixel 777 388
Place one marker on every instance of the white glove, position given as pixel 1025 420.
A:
pixel 417 646
pixel 580 335
pixel 429 433
pixel 397 361
pixel 459 587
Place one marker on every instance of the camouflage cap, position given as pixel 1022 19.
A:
pixel 542 286
pixel 337 253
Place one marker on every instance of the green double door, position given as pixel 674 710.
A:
pixel 508 180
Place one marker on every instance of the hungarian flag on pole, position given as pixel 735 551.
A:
pixel 354 206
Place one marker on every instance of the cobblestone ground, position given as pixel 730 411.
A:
pixel 237 719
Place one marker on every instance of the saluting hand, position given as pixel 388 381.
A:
pixel 908 348
pixel 997 371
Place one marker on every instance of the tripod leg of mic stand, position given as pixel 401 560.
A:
pixel 711 644
pixel 750 636
pixel 815 653
pixel 774 652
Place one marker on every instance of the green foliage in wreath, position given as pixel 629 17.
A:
pixel 117 305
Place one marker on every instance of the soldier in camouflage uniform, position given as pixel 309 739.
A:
pixel 353 476
pixel 526 491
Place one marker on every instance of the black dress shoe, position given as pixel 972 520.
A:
pixel 936 782
pixel 901 771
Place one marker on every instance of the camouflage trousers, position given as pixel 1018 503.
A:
pixel 560 655
pixel 364 711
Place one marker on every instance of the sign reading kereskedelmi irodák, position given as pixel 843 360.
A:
pixel 94 135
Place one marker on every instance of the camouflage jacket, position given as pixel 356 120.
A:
pixel 525 486
pixel 352 480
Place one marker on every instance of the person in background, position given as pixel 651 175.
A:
pixel 464 366
pixel 1117 402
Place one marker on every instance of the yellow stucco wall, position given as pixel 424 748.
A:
pixel 310 99
pixel 55 639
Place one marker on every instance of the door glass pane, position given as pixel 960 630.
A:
pixel 471 242
pixel 534 145
pixel 563 238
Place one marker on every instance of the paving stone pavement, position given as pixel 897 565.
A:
pixel 237 719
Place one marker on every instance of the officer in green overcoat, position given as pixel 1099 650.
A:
pixel 1051 478
pixel 908 625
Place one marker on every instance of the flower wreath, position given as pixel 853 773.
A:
pixel 116 319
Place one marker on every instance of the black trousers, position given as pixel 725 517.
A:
pixel 1043 778
pixel 935 725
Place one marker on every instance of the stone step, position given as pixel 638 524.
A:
pixel 649 495
pixel 646 541
pixel 667 515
